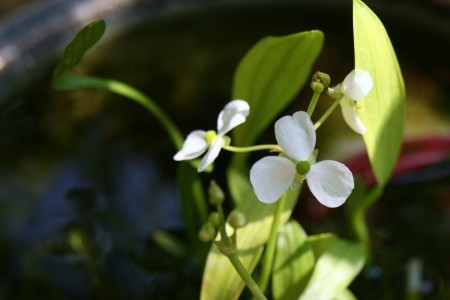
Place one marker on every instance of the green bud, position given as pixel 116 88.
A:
pixel 207 232
pixel 303 167
pixel 236 219
pixel 322 78
pixel 215 219
pixel 216 195
pixel 317 87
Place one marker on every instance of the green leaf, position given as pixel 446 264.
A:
pixel 383 110
pixel 83 41
pixel 220 280
pixel 294 262
pixel 335 269
pixel 270 75
pixel 319 243
pixel 345 295
pixel 193 206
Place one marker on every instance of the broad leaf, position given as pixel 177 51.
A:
pixel 83 41
pixel 335 269
pixel 294 262
pixel 383 110
pixel 270 75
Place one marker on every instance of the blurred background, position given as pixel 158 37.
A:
pixel 87 180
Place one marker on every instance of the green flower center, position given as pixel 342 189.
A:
pixel 303 167
pixel 210 136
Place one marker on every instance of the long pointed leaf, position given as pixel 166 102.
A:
pixel 383 110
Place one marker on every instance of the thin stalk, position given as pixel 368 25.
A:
pixel 235 260
pixel 313 103
pixel 327 114
pixel 69 81
pixel 253 148
pixel 269 252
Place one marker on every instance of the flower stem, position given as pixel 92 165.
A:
pixel 253 148
pixel 68 81
pixel 248 279
pixel 230 247
pixel 313 103
pixel 269 252
pixel 327 114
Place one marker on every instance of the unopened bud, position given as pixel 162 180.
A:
pixel 236 219
pixel 322 78
pixel 215 219
pixel 317 87
pixel 207 232
pixel 216 195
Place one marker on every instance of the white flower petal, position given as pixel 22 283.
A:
pixel 194 146
pixel 233 114
pixel 330 182
pixel 271 176
pixel 351 116
pixel 211 155
pixel 296 135
pixel 357 84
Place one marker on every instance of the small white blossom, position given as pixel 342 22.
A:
pixel 355 87
pixel 211 142
pixel 329 181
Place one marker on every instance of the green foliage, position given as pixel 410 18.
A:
pixel 294 262
pixel 270 75
pixel 220 280
pixel 337 266
pixel 83 41
pixel 383 110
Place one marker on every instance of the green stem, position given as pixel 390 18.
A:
pixel 67 81
pixel 327 114
pixel 253 148
pixel 248 279
pixel 234 258
pixel 269 252
pixel 313 103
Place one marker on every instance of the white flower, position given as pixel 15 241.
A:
pixel 330 182
pixel 200 141
pixel 355 87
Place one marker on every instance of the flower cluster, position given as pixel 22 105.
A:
pixel 329 181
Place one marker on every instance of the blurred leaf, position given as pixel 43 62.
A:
pixel 270 75
pixel 383 110
pixel 319 243
pixel 345 295
pixel 193 205
pixel 83 41
pixel 220 280
pixel 294 262
pixel 335 269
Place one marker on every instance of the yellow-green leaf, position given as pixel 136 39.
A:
pixel 383 110
pixel 294 262
pixel 270 75
pixel 335 269
pixel 220 279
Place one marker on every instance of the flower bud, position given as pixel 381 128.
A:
pixel 357 84
pixel 317 87
pixel 215 219
pixel 322 78
pixel 236 219
pixel 216 195
pixel 207 232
